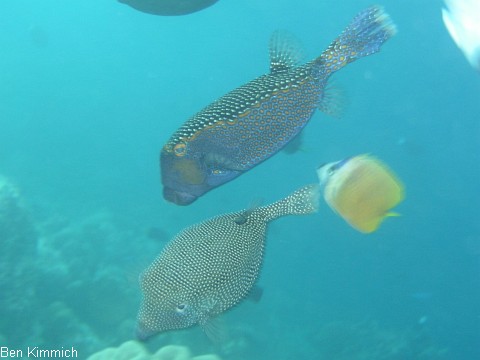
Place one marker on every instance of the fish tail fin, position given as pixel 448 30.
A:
pixel 364 36
pixel 303 201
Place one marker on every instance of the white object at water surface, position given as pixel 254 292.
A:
pixel 462 20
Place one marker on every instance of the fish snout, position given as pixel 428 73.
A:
pixel 143 334
pixel 178 197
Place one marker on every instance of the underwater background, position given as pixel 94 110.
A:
pixel 90 91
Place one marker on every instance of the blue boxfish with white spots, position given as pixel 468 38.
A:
pixel 256 120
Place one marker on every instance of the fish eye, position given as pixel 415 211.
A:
pixel 331 170
pixel 180 149
pixel 181 308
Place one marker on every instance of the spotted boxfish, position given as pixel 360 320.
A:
pixel 253 122
pixel 210 267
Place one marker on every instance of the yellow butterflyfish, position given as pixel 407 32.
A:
pixel 362 190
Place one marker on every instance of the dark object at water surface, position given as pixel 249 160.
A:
pixel 169 7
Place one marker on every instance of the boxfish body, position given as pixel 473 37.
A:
pixel 253 122
pixel 210 267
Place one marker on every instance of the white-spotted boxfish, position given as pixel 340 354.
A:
pixel 251 123
pixel 210 267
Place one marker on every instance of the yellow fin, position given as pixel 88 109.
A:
pixel 393 214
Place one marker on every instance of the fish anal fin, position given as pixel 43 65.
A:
pixel 366 227
pixel 286 51
pixel 372 225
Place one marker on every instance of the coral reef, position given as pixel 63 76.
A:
pixel 64 282
pixel 16 228
pixel 18 276
pixel 85 269
pixel 133 350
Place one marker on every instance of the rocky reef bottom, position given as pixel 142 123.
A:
pixel 133 350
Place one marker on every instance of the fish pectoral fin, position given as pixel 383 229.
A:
pixel 215 329
pixel 286 51
pixel 216 161
pixel 333 101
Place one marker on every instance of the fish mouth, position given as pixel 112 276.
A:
pixel 178 197
pixel 143 334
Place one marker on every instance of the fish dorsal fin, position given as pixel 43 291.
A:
pixel 243 216
pixel 286 51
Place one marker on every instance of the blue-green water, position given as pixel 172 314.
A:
pixel 89 92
